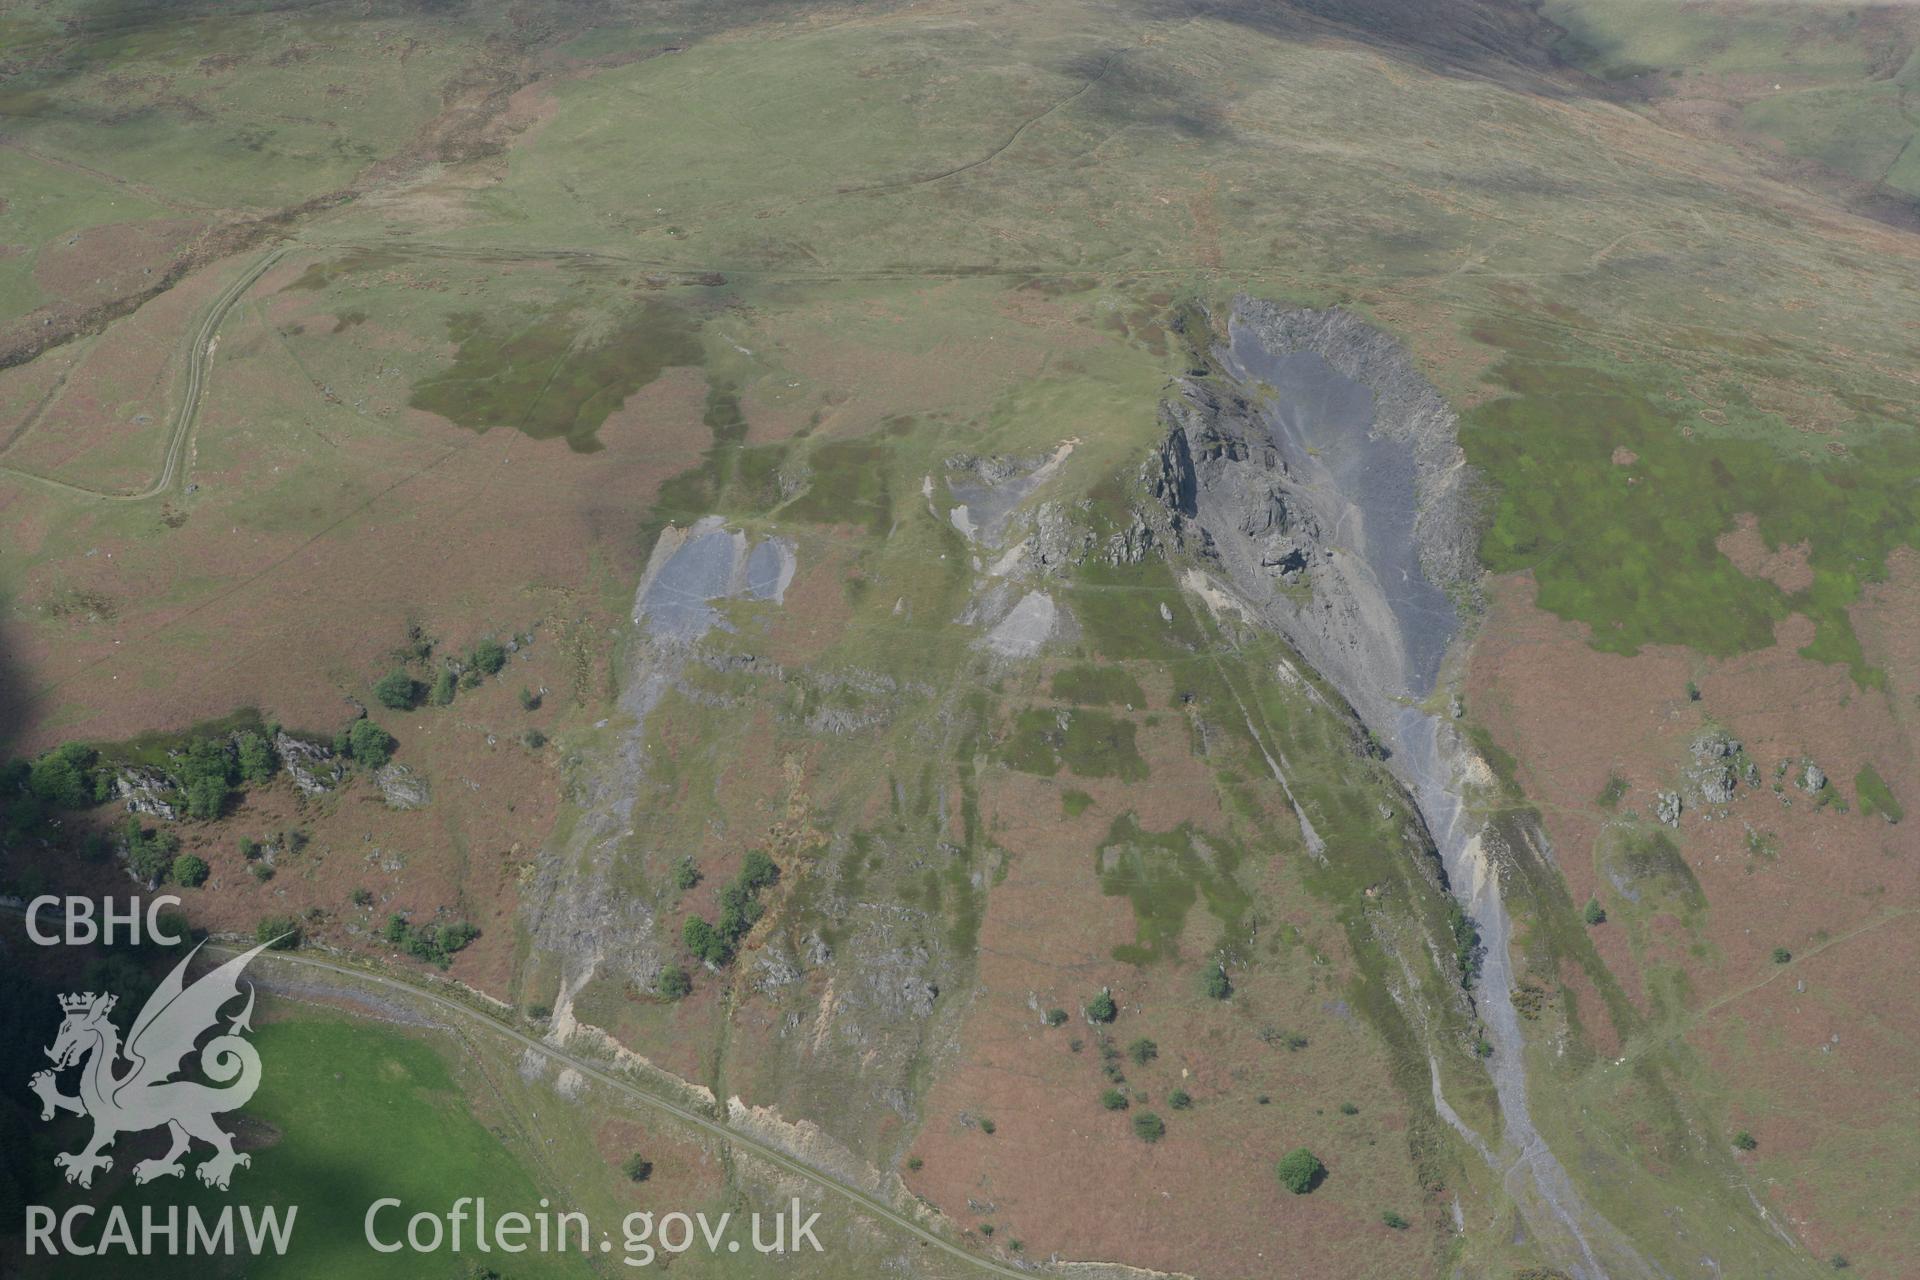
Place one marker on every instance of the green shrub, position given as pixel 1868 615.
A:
pixel 1101 1008
pixel 1056 1017
pixel 1143 1051
pixel 1216 983
pixel 1781 955
pixel 1745 1141
pixel 280 933
pixel 915 1164
pixel 1394 1220
pixel 529 700
pixel 757 870
pixel 1301 1171
pixel 369 744
pixel 255 756
pixel 686 873
pixel 1483 1047
pixel 705 941
pixel 190 871
pixel 61 777
pixel 150 854
pixel 986 1126
pixel 1180 1100
pixel 675 983
pixel 1595 913
pixel 261 871
pixel 1149 1127
pixel 637 1168
pixel 396 690
pixel 444 685
pixel 435 944
pixel 363 897
pixel 488 656
pixel 1348 1109
pixel 1114 1100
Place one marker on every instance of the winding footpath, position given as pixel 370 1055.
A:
pixel 173 461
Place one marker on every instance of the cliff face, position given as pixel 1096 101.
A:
pixel 1323 477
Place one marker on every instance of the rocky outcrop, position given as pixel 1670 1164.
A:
pixel 145 791
pixel 312 765
pixel 402 788
pixel 1667 806
pixel 1715 771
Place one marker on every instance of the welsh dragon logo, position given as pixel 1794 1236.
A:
pixel 140 1094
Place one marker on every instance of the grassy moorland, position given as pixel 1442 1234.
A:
pixel 557 283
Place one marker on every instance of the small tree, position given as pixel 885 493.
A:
pixel 1745 1141
pixel 704 941
pixel 1102 1008
pixel 1595 913
pixel 686 873
pixel 1143 1051
pixel 637 1168
pixel 396 690
pixel 1394 1220
pixel 757 870
pixel 489 657
pixel 1781 955
pixel 255 753
pixel 1217 984
pixel 675 983
pixel 444 685
pixel 1149 1127
pixel 280 933
pixel 368 743
pixel 1114 1100
pixel 1348 1109
pixel 529 700
pixel 986 1126
pixel 1180 1100
pixel 1056 1017
pixel 1301 1171
pixel 190 871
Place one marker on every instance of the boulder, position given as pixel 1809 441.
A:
pixel 1667 806
pixel 402 788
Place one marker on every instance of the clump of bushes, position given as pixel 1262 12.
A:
pixel 1745 1141
pixel 740 908
pixel 280 933
pixel 1180 1100
pixel 1394 1220
pixel 1595 913
pixel 1149 1127
pixel 1143 1051
pixel 1056 1017
pixel 637 1167
pixel 150 853
pixel 435 944
pixel 190 871
pixel 1216 983
pixel 1102 1008
pixel 674 983
pixel 1114 1100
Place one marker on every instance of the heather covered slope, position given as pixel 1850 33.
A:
pixel 795 388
